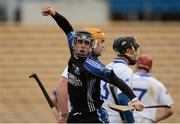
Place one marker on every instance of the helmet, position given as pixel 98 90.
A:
pixel 82 37
pixel 145 62
pixel 99 38
pixel 97 34
pixel 127 46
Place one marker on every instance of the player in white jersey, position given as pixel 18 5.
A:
pixel 126 51
pixel 150 92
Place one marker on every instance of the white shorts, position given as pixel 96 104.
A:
pixel 143 120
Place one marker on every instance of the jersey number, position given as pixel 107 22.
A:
pixel 141 91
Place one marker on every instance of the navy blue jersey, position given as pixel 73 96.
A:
pixel 84 75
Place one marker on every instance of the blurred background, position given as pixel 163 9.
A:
pixel 31 43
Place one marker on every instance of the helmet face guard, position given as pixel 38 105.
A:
pixel 83 44
pixel 83 41
pixel 132 54
pixel 127 47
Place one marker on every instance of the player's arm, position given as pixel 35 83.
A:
pixel 62 22
pixel 121 85
pixel 98 69
pixel 124 100
pixel 126 90
pixel 164 98
pixel 165 113
pixel 62 99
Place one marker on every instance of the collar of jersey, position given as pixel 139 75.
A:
pixel 147 74
pixel 120 60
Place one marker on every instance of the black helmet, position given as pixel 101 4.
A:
pixel 122 44
pixel 82 37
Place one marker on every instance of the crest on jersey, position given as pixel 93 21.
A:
pixel 77 71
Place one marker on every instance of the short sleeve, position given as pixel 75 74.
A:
pixel 165 97
pixel 65 73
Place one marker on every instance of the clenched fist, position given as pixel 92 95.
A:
pixel 47 10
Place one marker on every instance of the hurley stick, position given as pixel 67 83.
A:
pixel 48 99
pixel 127 108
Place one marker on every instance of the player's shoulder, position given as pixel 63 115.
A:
pixel 156 81
pixel 93 63
pixel 71 34
pixel 159 83
pixel 119 64
pixel 70 37
pixel 120 68
pixel 96 67
pixel 145 75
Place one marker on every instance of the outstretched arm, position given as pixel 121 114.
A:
pixel 122 86
pixel 96 68
pixel 126 90
pixel 62 22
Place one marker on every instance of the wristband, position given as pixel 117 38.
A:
pixel 134 99
pixel 63 114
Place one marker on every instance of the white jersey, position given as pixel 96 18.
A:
pixel 150 91
pixel 65 73
pixel 124 72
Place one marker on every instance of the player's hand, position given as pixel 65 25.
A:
pixel 62 119
pixel 47 10
pixel 137 105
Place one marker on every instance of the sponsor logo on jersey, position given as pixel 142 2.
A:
pixel 74 80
